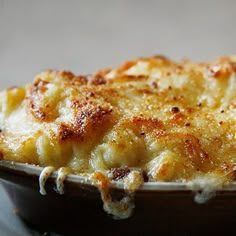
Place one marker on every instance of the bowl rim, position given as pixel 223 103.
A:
pixel 35 170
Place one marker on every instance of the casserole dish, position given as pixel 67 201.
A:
pixel 159 207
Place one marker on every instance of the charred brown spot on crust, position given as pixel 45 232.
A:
pixel 67 74
pixel 147 123
pixel 98 80
pixel 95 116
pixel 233 66
pixel 39 87
pixel 144 91
pixel 119 173
pixel 68 132
pixel 79 80
pixel 159 59
pixel 83 79
pixel 154 85
pixel 187 124
pixel 75 104
pixel 83 116
pixel 67 77
pixel 145 176
pixel 91 94
pixel 87 119
pixel 45 96
pixel 179 69
pixel 175 110
pixel 103 72
pixel 178 119
pixel 64 78
pixel 223 68
pixel 214 72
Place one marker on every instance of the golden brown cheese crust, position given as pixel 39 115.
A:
pixel 173 120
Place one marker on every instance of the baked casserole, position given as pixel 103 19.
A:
pixel 150 120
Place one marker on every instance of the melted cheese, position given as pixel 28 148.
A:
pixel 45 174
pixel 122 209
pixel 205 187
pixel 62 174
pixel 133 181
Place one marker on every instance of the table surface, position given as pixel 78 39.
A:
pixel 10 223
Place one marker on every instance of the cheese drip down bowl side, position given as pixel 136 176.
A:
pixel 159 207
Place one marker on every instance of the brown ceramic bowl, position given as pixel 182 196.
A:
pixel 160 207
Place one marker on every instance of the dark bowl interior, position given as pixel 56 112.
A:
pixel 80 209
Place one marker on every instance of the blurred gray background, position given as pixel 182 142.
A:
pixel 83 36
